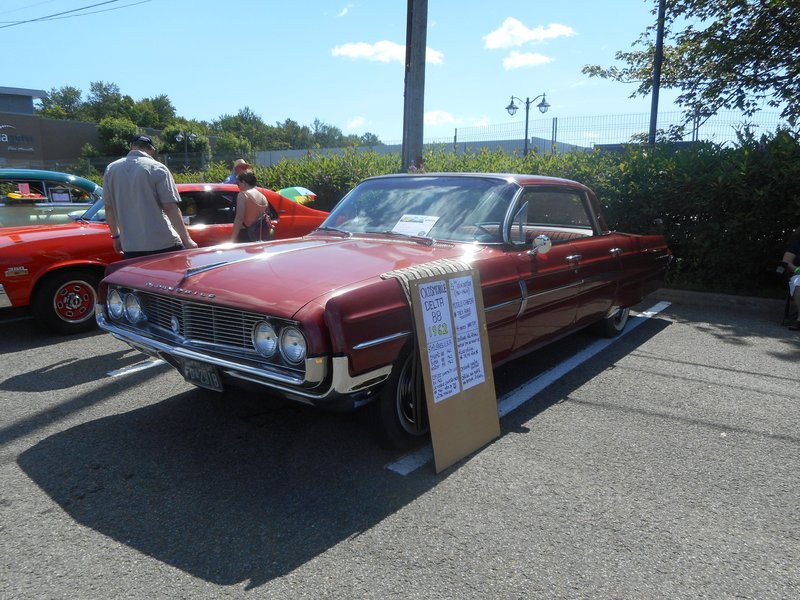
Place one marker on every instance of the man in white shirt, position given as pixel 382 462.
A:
pixel 141 202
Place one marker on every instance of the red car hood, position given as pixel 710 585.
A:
pixel 277 278
pixel 34 233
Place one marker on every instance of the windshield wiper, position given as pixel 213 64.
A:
pixel 420 239
pixel 335 230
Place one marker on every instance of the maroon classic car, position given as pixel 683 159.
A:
pixel 317 320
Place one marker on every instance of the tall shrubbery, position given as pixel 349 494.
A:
pixel 725 211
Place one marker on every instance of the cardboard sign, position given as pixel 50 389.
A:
pixel 456 364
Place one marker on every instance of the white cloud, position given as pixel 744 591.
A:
pixel 514 33
pixel 383 51
pixel 433 56
pixel 345 10
pixel 517 60
pixel 355 123
pixel 439 117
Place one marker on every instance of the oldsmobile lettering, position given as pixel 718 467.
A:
pixel 179 290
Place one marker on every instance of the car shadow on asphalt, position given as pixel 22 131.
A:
pixel 70 369
pixel 204 483
pixel 219 492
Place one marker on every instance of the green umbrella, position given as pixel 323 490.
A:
pixel 297 193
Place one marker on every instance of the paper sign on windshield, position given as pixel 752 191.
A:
pixel 415 224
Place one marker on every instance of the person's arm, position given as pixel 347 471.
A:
pixel 238 222
pixel 176 218
pixel 113 226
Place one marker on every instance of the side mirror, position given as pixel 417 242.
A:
pixel 541 245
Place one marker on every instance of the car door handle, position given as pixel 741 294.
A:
pixel 573 258
pixel 616 251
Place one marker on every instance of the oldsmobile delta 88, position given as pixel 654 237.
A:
pixel 322 319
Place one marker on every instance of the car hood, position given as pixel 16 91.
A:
pixel 280 277
pixel 10 236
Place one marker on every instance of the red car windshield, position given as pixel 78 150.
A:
pixel 438 207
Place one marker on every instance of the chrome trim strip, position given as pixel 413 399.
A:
pixel 341 380
pixel 558 289
pixel 523 290
pixel 382 340
pixel 4 301
pixel 501 305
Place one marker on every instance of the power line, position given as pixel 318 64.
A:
pixel 94 12
pixel 47 17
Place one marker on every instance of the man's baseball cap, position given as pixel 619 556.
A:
pixel 143 139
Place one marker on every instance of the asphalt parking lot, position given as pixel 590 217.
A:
pixel 665 466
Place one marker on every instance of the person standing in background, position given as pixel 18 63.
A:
pixel 141 203
pixel 239 165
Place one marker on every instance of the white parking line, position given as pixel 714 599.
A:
pixel 140 366
pixel 516 398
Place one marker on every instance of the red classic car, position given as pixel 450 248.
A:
pixel 319 320
pixel 56 268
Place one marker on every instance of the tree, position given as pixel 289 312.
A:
pixel 157 112
pixel 729 54
pixel 116 135
pixel 189 153
pixel 63 103
pixel 105 100
pixel 229 147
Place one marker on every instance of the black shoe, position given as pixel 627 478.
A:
pixel 794 326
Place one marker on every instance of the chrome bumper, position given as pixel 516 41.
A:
pixel 4 301
pixel 341 382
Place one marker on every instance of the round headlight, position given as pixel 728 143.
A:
pixel 265 340
pixel 115 304
pixel 293 345
pixel 133 308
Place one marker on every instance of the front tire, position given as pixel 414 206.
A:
pixel 400 413
pixel 65 301
pixel 614 325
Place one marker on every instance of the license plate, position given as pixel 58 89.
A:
pixel 202 375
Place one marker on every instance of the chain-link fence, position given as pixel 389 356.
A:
pixel 546 134
pixel 559 133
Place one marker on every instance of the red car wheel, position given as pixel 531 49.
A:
pixel 65 301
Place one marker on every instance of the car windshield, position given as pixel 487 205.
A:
pixel 439 207
pixel 96 212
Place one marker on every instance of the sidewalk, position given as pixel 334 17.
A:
pixel 769 306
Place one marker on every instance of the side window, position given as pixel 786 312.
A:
pixel 60 192
pixel 23 190
pixel 209 208
pixel 558 209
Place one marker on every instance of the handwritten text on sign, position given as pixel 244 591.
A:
pixel 450 318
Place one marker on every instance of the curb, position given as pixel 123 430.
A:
pixel 772 305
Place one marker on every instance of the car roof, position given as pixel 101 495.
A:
pixel 86 184
pixel 519 179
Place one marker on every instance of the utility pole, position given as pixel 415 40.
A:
pixel 657 60
pixel 414 96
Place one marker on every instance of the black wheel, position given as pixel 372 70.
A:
pixel 65 301
pixel 400 413
pixel 612 326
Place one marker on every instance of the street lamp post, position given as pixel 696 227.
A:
pixel 542 106
pixel 185 137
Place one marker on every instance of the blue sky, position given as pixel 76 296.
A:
pixel 337 61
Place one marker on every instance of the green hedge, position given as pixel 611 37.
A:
pixel 726 211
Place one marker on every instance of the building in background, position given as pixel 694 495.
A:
pixel 30 141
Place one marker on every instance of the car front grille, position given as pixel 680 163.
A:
pixel 202 323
